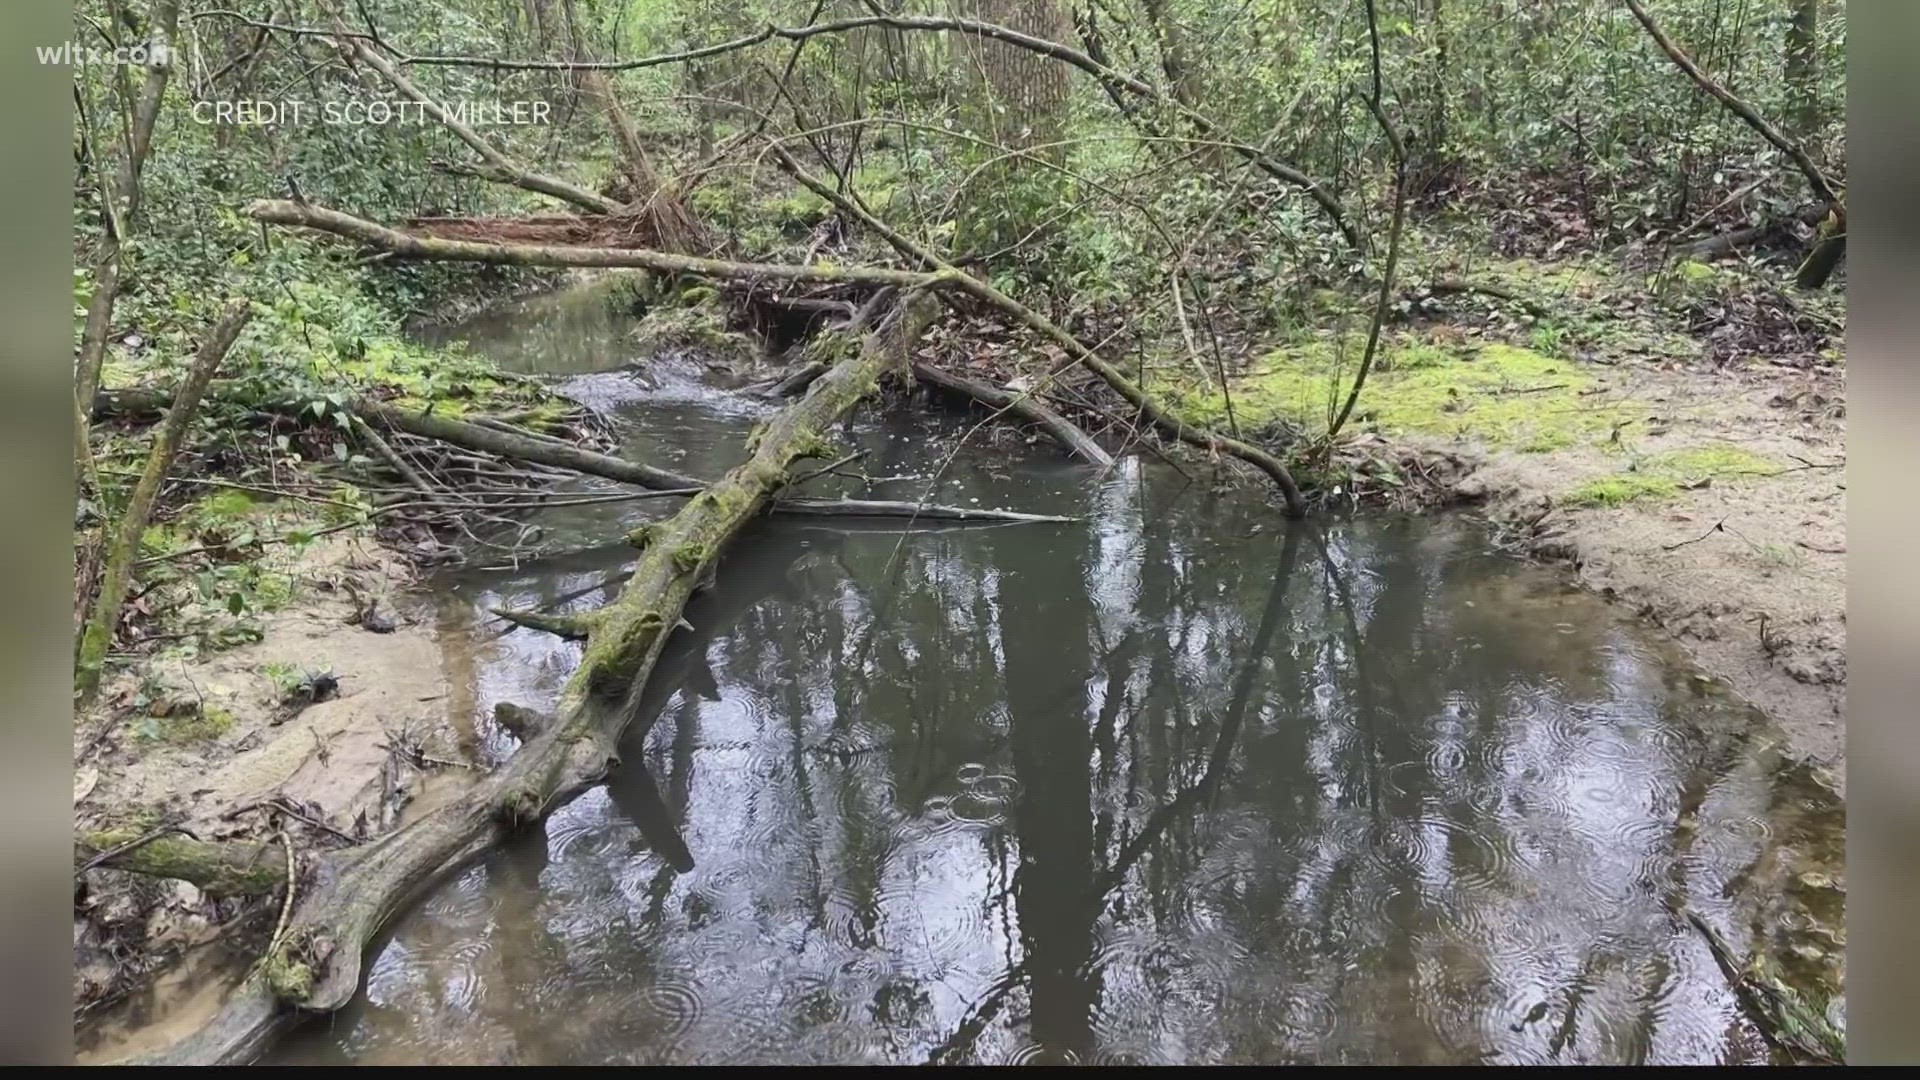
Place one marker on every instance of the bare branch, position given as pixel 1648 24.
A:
pixel 1822 187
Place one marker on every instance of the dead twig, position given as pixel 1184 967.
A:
pixel 1718 526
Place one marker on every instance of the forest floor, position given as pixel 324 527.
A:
pixel 341 717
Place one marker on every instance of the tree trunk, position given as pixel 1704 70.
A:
pixel 318 965
pixel 1802 67
pixel 90 651
pixel 120 203
pixel 654 199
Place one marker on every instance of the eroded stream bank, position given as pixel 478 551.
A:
pixel 1174 783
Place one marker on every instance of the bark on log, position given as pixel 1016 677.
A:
pixel 797 381
pixel 1026 408
pixel 322 953
pixel 220 869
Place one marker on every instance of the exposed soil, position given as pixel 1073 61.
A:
pixel 339 718
pixel 1747 571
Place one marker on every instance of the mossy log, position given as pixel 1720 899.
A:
pixel 233 868
pixel 357 891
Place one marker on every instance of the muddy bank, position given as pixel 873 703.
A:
pixel 1675 438
pixel 345 715
pixel 1742 560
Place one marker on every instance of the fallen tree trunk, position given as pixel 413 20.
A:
pixel 1024 407
pixel 408 246
pixel 317 965
pixel 1726 242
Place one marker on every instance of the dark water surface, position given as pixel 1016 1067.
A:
pixel 1179 782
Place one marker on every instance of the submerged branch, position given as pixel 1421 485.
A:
pixel 1025 407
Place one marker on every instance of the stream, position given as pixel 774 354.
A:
pixel 1180 782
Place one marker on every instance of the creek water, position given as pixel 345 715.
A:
pixel 1179 782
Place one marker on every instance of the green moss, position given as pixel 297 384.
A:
pixel 206 865
pixel 688 557
pixel 205 724
pixel 1665 475
pixel 227 504
pixel 272 590
pixel 1713 460
pixel 698 326
pixel 1694 272
pixel 290 980
pixel 519 806
pixel 1497 395
pixel 161 540
pixel 181 721
pixel 800 210
pixel 1620 490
